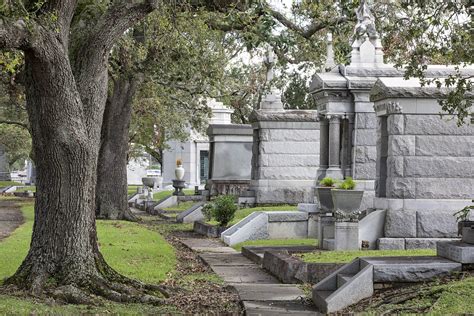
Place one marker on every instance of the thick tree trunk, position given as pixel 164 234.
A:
pixel 64 244
pixel 64 259
pixel 111 195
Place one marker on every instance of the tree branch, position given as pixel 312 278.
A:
pixel 310 30
pixel 117 19
pixel 14 35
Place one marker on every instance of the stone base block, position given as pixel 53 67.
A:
pixel 248 201
pixel 424 243
pixel 308 207
pixel 346 236
pixel 456 251
pixel 391 243
pixel 410 269
pixel 411 243
pixel 328 244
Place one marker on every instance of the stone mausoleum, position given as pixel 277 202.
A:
pixel 416 167
pixel 194 152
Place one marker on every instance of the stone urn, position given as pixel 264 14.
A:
pixel 150 181
pixel 325 198
pixel 179 172
pixel 466 228
pixel 347 201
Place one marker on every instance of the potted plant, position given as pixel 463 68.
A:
pixel 324 194
pixel 465 226
pixel 179 171
pixel 345 198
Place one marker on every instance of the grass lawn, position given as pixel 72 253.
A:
pixel 277 242
pixel 31 188
pixel 244 212
pixel 130 248
pixel 132 189
pixel 348 256
pixel 183 206
pixel 8 183
pixel 162 194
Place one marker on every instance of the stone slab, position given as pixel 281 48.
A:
pixel 271 308
pixel 192 214
pixel 268 292
pixel 282 265
pixel 425 243
pixel 391 243
pixel 308 207
pixel 288 230
pixel 286 216
pixel 400 224
pixel 371 227
pixel 225 259
pixel 456 251
pixel 410 269
pixel 436 224
pixel 244 274
pixel 201 242
pixel 215 249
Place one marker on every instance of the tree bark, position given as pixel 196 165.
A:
pixel 65 106
pixel 111 196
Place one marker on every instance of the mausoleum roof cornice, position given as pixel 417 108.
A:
pixel 398 88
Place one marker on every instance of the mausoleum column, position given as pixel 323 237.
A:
pixel 334 170
pixel 323 147
pixel 347 131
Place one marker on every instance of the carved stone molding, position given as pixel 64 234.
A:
pixel 388 108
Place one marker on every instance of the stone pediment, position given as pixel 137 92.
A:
pixel 327 80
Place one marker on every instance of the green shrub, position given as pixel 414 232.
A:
pixel 348 184
pixel 327 182
pixel 463 215
pixel 224 209
pixel 207 211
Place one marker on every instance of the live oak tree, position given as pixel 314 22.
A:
pixel 162 71
pixel 66 89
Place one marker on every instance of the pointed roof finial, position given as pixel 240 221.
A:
pixel 330 63
pixel 366 22
pixel 270 62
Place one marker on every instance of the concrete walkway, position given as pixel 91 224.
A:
pixel 259 292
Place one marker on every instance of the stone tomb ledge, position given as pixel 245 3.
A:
pixel 289 269
pixel 456 251
pixel 410 269
pixel 269 225
pixel 411 243
pixel 421 218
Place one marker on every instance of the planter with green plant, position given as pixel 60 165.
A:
pixel 222 210
pixel 345 198
pixel 324 194
pixel 465 225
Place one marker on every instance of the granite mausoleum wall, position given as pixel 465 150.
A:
pixel 425 164
pixel 285 156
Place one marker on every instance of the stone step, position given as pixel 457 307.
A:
pixel 328 243
pixel 346 286
pixel 268 292
pixel 343 278
pixel 279 308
